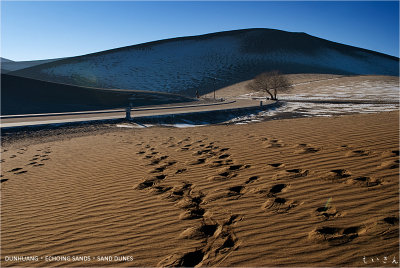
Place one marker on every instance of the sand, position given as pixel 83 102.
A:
pixel 314 85
pixel 296 192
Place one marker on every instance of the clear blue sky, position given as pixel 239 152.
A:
pixel 52 29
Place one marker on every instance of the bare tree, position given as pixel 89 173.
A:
pixel 270 82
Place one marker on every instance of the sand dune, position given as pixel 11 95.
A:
pixel 312 86
pixel 299 192
pixel 29 96
pixel 207 62
pixel 10 66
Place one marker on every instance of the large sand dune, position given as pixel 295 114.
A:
pixel 206 62
pixel 299 192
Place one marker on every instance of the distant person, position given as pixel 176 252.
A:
pixel 197 94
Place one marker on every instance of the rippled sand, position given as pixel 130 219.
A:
pixel 298 192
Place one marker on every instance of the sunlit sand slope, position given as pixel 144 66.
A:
pixel 300 192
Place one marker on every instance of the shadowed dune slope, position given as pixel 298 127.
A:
pixel 9 65
pixel 212 61
pixel 21 95
pixel 300 192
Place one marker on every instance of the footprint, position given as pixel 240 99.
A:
pixel 14 169
pixel 218 241
pixel 276 189
pixel 391 220
pixel 357 153
pixel 178 192
pixel 295 170
pixel 201 232
pixel 155 162
pixel 228 243
pixel 150 182
pixel 171 163
pixel 189 259
pixel 229 172
pixel 160 189
pixel 20 172
pixel 304 148
pixel 198 161
pixel 336 235
pixel 309 150
pixel 224 156
pixel 389 165
pixel 279 204
pixel 188 202
pixel 202 152
pixel 236 167
pixel 220 245
pixel 181 170
pixel 232 219
pixel 340 173
pixel 291 174
pixel 160 177
pixel 236 190
pixel 327 213
pixel 277 165
pixel 220 163
pixel 159 169
pixel 224 175
pixel 146 184
pixel 365 181
pixel 251 179
pixel 274 143
pixel 158 160
pixel 192 213
pixel 392 153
